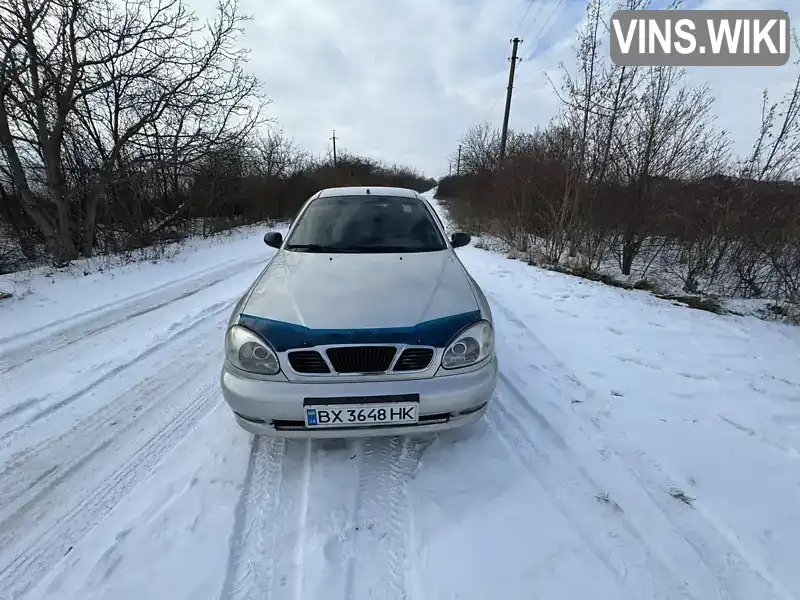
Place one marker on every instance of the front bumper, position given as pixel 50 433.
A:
pixel 275 408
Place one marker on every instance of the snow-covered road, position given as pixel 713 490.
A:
pixel 635 449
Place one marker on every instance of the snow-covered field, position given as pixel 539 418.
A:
pixel 635 449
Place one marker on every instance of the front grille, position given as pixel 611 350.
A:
pixel 361 359
pixel 308 361
pixel 414 359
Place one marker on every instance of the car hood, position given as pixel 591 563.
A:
pixel 361 291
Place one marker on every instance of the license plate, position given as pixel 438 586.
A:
pixel 353 415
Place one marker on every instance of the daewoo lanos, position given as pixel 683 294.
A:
pixel 364 323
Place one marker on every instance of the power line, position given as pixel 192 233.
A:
pixel 491 109
pixel 514 59
pixel 535 18
pixel 527 29
pixel 542 29
pixel 530 5
pixel 519 24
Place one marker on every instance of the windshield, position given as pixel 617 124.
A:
pixel 366 224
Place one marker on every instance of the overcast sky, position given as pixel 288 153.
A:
pixel 401 80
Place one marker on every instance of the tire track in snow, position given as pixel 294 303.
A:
pixel 31 478
pixel 103 317
pixel 53 541
pixel 263 562
pixel 689 540
pixel 177 331
pixel 106 320
pixel 378 566
pixel 366 554
pixel 602 525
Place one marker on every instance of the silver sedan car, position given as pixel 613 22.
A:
pixel 364 323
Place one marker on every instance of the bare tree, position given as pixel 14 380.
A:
pixel 480 150
pixel 635 166
pixel 140 83
pixel 580 110
pixel 769 261
pixel 275 155
pixel 776 152
pixel 595 101
pixel 670 134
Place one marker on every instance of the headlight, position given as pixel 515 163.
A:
pixel 470 346
pixel 245 350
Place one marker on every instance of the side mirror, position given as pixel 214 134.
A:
pixel 273 239
pixel 460 239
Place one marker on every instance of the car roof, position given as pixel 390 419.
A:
pixel 376 190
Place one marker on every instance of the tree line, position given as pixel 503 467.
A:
pixel 126 124
pixel 635 171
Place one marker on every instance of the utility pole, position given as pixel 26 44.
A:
pixel 334 147
pixel 458 164
pixel 504 137
pixel 450 169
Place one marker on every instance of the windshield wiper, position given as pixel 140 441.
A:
pixel 385 249
pixel 335 249
pixel 313 247
pixel 364 249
